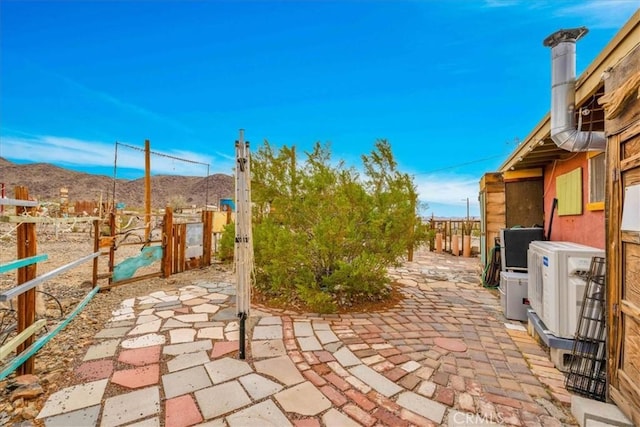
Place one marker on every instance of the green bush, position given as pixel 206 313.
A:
pixel 227 243
pixel 324 234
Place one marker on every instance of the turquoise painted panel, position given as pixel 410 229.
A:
pixel 127 268
pixel 19 263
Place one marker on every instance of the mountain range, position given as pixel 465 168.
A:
pixel 44 182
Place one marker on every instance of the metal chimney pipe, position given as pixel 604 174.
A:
pixel 563 92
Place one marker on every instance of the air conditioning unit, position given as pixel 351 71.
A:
pixel 514 243
pixel 556 281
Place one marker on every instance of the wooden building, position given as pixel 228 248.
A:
pixel 509 199
pixel 597 193
pixel 622 123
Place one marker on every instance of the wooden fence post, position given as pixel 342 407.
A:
pixel 112 247
pixel 167 250
pixel 27 247
pixel 207 230
pixel 96 248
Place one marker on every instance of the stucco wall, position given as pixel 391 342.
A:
pixel 588 228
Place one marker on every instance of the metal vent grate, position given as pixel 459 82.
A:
pixel 587 370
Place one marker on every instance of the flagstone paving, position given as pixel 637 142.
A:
pixel 444 356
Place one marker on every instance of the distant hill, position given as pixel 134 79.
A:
pixel 44 181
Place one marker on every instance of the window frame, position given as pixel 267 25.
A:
pixel 592 157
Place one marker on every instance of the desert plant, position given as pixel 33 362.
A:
pixel 177 202
pixel 227 242
pixel 467 227
pixel 330 233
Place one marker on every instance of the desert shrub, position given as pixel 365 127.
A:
pixel 324 234
pixel 227 242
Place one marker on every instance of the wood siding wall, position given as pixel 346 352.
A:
pixel 493 212
pixel 623 247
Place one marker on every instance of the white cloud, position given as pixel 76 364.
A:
pixel 450 190
pixel 229 157
pixel 71 151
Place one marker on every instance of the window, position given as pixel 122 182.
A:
pixel 569 193
pixel 596 181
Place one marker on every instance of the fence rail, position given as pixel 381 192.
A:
pixel 33 348
pixel 4 201
pixel 19 263
pixel 13 292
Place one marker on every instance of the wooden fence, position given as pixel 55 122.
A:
pixel 172 249
pixel 449 228
pixel 173 245
pixel 25 291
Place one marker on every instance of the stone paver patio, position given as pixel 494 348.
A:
pixel 444 356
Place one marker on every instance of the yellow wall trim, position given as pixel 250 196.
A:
pixel 592 154
pixel 595 206
pixel 523 173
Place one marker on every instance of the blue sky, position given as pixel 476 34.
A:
pixel 451 84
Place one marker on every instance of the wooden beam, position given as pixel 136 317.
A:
pixel 27 242
pixel 147 190
pixel 131 280
pixel 139 243
pixel 614 51
pixel 112 248
pixel 167 250
pixel 17 202
pixel 19 219
pixel 207 230
pixel 96 249
pixel 630 309
pixel 522 174
pixel 613 217
pixel 14 342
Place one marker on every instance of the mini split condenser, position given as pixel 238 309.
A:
pixel 556 282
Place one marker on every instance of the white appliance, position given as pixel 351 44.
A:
pixel 513 295
pixel 556 275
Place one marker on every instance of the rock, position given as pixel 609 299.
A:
pixel 25 380
pixel 29 391
pixel 4 418
pixel 30 412
pixel 50 378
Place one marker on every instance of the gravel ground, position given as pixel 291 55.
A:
pixel 58 358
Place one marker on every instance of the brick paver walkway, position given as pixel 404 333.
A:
pixel 444 356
